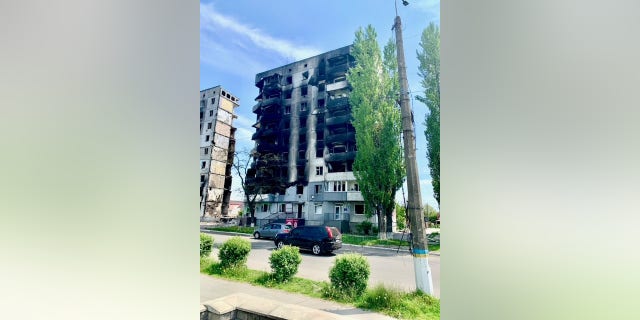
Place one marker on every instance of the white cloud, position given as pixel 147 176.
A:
pixel 210 19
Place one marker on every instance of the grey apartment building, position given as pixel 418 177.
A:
pixel 217 146
pixel 305 143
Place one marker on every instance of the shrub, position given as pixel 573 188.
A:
pixel 285 262
pixel 206 243
pixel 375 230
pixel 349 275
pixel 364 227
pixel 234 252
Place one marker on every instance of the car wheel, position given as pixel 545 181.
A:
pixel 316 249
pixel 280 244
pixel 256 235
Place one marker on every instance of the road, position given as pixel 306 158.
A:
pixel 387 267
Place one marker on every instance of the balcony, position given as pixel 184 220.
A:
pixel 336 216
pixel 337 70
pixel 337 86
pixel 269 118
pixel 338 120
pixel 338 103
pixel 265 147
pixel 340 137
pixel 340 157
pixel 276 101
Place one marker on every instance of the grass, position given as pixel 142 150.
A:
pixel 395 303
pixel 374 241
pixel 246 230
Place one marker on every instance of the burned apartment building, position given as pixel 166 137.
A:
pixel 217 146
pixel 305 143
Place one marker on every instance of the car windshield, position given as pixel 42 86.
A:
pixel 288 227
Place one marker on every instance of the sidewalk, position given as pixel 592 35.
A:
pixel 213 288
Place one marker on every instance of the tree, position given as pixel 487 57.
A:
pixel 379 165
pixel 431 213
pixel 401 217
pixel 429 70
pixel 252 181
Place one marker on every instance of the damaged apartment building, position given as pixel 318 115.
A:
pixel 305 143
pixel 217 146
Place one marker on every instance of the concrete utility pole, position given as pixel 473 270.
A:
pixel 414 209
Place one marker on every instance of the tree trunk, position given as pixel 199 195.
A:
pixel 381 224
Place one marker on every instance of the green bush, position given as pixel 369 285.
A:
pixel 349 275
pixel 234 252
pixel 206 243
pixel 375 230
pixel 284 263
pixel 364 227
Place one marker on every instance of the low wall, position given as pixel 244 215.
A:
pixel 247 307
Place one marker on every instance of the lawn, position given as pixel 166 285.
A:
pixel 246 230
pixel 395 303
pixel 374 241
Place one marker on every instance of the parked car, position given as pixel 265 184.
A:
pixel 318 239
pixel 270 230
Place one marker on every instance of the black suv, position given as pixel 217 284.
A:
pixel 318 239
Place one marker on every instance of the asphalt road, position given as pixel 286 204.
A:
pixel 387 267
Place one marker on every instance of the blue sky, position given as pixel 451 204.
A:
pixel 241 38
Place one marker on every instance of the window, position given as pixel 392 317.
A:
pixel 305 75
pixel 304 90
pixel 317 188
pixel 265 207
pixel 206 150
pixel 206 138
pixel 303 122
pixel 201 178
pixel 283 208
pixel 289 80
pixel 305 65
pixel 320 103
pixel 303 106
pixel 210 113
pixel 209 125
pixel 355 187
pixel 287 95
pixel 359 208
pixel 203 103
pixel 319 152
pixel 339 186
pixel 213 100
pixel 201 114
pixel 299 189
pixel 204 164
pixel 287 109
pixel 319 171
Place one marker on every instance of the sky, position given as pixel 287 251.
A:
pixel 241 38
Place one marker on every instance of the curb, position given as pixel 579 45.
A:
pixel 433 253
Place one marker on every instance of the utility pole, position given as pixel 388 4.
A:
pixel 420 250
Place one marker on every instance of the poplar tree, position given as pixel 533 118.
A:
pixel 429 70
pixel 379 164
